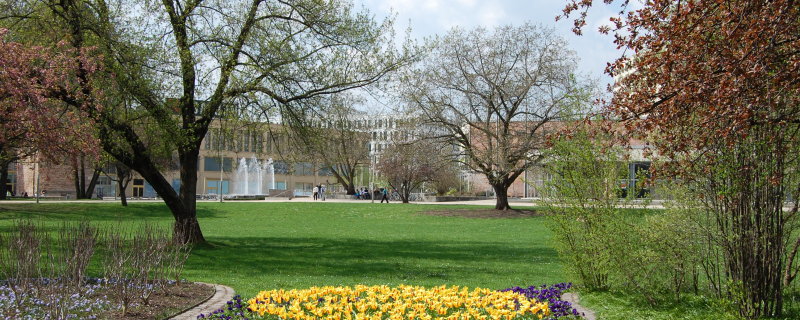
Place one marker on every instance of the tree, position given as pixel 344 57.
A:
pixel 494 94
pixel 584 203
pixel 407 165
pixel 82 189
pixel 122 176
pixel 207 55
pixel 713 85
pixel 31 124
pixel 446 179
pixel 335 140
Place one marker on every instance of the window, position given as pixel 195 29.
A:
pixel 302 188
pixel 213 187
pixel 281 168
pixel 138 188
pixel 212 164
pixel 104 181
pixel 304 169
pixel 258 142
pixel 325 172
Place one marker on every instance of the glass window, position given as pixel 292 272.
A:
pixel 212 164
pixel 325 172
pixel 281 168
pixel 213 187
pixel 304 169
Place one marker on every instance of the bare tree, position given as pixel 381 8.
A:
pixel 407 165
pixel 335 141
pixel 493 94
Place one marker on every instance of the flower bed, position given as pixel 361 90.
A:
pixel 552 295
pixel 402 302
pixel 56 300
pixel 94 299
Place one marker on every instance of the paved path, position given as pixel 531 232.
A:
pixel 222 295
pixel 573 298
pixel 514 202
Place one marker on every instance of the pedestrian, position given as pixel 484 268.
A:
pixel 322 192
pixel 314 192
pixel 385 195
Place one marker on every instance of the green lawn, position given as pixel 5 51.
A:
pixel 257 246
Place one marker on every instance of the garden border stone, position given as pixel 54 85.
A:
pixel 222 294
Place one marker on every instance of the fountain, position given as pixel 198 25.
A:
pixel 248 181
pixel 271 173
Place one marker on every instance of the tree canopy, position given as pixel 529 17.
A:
pixel 31 122
pixel 713 86
pixel 493 94
pixel 170 66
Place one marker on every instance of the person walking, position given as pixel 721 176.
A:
pixel 314 192
pixel 322 192
pixel 384 195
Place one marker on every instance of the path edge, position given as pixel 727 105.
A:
pixel 574 299
pixel 222 294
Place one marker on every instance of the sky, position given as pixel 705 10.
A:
pixel 435 17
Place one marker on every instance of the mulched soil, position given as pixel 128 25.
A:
pixel 162 305
pixel 483 213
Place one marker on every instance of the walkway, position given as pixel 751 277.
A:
pixel 221 296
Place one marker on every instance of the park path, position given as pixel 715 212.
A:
pixel 222 294
pixel 573 298
pixel 514 202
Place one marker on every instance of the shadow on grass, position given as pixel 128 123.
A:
pixel 57 212
pixel 403 259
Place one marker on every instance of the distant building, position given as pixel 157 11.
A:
pixel 220 155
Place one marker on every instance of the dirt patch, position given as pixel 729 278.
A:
pixel 176 298
pixel 484 213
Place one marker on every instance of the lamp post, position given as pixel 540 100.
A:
pixel 36 172
pixel 371 173
pixel 221 165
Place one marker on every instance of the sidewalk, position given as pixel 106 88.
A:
pixel 514 202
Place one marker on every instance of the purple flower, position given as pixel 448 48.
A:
pixel 551 294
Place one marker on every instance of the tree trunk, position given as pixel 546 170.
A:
pixel 183 205
pixel 187 229
pixel 122 188
pixel 76 180
pixel 3 179
pixel 123 178
pixel 501 191
pixel 405 193
pixel 349 186
pixel 83 191
pixel 92 183
pixel 82 176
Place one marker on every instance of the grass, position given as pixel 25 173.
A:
pixel 259 246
